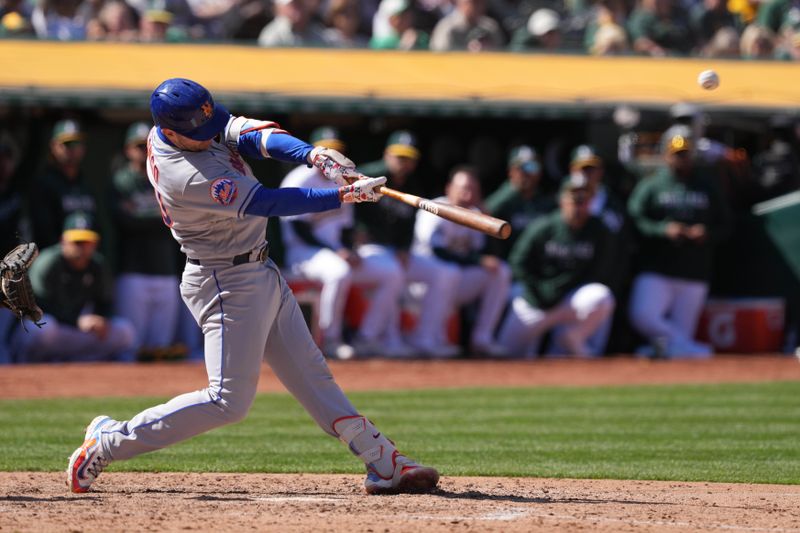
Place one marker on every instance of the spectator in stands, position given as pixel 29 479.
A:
pixel 73 285
pixel 467 28
pixel 292 26
pixel 561 261
pixel 680 215
pixel 115 22
pixel 777 14
pixel 542 32
pixel 158 25
pixel 400 32
pixel 723 45
pixel 61 189
pixel 660 28
pixel 320 247
pixel 147 286
pixel 605 30
pixel 519 200
pixel 609 40
pixel 790 44
pixel 390 225
pixel 758 42
pixel 343 19
pixel 709 17
pixel 480 276
pixel 15 18
pixel 63 20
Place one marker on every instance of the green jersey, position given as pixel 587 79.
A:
pixel 144 242
pixel 54 197
pixel 64 292
pixel 551 259
pixel 507 203
pixel 663 198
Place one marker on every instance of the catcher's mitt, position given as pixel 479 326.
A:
pixel 17 291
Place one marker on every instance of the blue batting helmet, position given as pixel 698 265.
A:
pixel 187 108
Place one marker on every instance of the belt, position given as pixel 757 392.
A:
pixel 256 254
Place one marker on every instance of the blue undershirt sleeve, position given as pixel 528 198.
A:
pixel 291 201
pixel 280 146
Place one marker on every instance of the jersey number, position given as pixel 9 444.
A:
pixel 151 162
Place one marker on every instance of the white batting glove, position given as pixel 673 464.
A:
pixel 363 190
pixel 333 165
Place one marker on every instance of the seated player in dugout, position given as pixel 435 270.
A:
pixel 476 276
pixel 319 246
pixel 389 226
pixel 217 210
pixel 559 262
pixel 74 286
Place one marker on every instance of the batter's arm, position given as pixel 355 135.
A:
pixel 290 201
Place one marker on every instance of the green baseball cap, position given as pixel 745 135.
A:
pixel 585 156
pixel 574 182
pixel 327 137
pixel 524 157
pixel 66 131
pixel 79 226
pixel 403 144
pixel 137 133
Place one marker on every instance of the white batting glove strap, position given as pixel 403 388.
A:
pixel 333 164
pixel 363 190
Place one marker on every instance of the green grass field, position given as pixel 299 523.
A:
pixel 736 433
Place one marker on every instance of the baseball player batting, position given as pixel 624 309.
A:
pixel 217 211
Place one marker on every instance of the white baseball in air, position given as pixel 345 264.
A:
pixel 708 80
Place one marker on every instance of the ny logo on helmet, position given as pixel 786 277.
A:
pixel 207 109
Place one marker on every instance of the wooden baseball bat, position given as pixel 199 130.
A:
pixel 495 227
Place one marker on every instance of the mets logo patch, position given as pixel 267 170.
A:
pixel 224 191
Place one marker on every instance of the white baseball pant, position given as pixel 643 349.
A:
pixel 247 314
pixel 581 323
pixel 379 270
pixel 662 307
pixel 491 288
pixel 152 304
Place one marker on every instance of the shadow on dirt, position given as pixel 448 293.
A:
pixel 47 498
pixel 477 495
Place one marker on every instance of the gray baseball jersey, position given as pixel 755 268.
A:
pixel 246 311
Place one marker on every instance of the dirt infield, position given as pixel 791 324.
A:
pixel 167 379
pixel 237 502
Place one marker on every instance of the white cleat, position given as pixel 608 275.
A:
pixel 88 461
pixel 408 478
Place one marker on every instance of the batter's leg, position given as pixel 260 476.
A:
pixel 298 363
pixel 235 307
